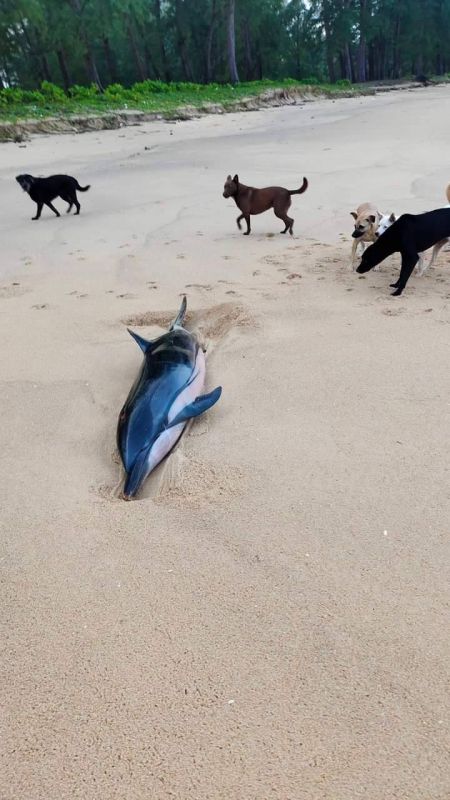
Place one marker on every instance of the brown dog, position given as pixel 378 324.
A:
pixel 254 201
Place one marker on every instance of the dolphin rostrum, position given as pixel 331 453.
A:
pixel 165 395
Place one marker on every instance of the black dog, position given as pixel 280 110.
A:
pixel 409 235
pixel 44 190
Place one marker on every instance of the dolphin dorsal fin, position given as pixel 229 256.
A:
pixel 178 321
pixel 144 344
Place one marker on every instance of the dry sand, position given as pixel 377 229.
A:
pixel 270 619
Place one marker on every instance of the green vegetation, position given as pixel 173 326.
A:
pixel 76 43
pixel 152 96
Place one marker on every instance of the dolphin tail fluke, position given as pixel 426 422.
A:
pixel 178 321
pixel 199 406
pixel 144 344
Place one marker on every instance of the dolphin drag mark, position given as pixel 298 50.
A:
pixel 165 395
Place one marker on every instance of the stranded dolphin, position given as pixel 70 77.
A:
pixel 165 395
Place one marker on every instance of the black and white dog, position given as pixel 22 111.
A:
pixel 409 235
pixel 44 190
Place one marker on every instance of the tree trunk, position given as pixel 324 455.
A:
pixel 140 68
pixel 362 76
pixel 45 68
pixel 64 70
pixel 395 54
pixel 91 65
pixel 110 60
pixel 210 41
pixel 231 43
pixel 328 40
pixel 248 50
pixel 89 58
pixel 185 61
pixel 162 49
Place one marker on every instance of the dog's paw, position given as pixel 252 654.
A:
pixel 394 285
pixel 247 233
pixel 397 293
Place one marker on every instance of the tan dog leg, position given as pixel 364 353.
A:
pixel 353 259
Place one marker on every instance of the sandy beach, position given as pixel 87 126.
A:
pixel 269 620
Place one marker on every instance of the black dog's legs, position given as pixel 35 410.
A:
pixel 55 211
pixel 38 210
pixel 247 219
pixel 67 199
pixel 238 221
pixel 409 261
pixel 73 200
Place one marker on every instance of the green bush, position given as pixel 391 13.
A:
pixel 343 83
pixel 84 92
pixel 116 93
pixel 309 81
pixel 150 87
pixel 52 93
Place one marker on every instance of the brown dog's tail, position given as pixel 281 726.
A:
pixel 303 188
pixel 83 188
pixel 447 192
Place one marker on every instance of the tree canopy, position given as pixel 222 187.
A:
pixel 110 41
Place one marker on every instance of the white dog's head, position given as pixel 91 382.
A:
pixel 385 223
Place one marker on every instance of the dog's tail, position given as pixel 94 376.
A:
pixel 447 192
pixel 302 189
pixel 83 188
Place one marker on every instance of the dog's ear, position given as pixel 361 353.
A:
pixel 228 177
pixel 372 218
pixel 236 179
pixel 392 218
pixel 354 214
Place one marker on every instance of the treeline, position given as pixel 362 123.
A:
pixel 107 42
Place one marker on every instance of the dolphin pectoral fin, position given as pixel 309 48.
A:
pixel 144 344
pixel 196 408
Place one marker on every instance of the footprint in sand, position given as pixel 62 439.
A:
pixel 392 312
pixel 181 256
pixel 126 296
pixel 152 285
pixel 204 286
pixel 230 283
pixel 293 276
pixel 40 306
pixel 12 290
